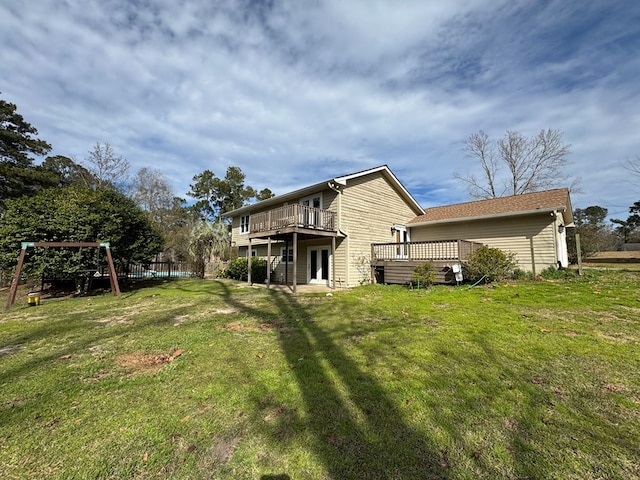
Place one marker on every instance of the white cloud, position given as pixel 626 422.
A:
pixel 293 92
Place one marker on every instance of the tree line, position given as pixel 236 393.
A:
pixel 98 198
pixel 599 235
pixel 63 199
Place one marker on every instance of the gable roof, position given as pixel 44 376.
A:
pixel 556 200
pixel 342 181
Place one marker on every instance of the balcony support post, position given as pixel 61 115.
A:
pixel 333 262
pixel 249 263
pixel 269 261
pixel 295 260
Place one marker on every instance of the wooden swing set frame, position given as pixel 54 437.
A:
pixel 113 278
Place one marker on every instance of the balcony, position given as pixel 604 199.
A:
pixel 293 218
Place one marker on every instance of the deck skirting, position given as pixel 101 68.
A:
pixel 401 271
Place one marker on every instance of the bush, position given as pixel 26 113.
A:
pixel 491 263
pixel 519 274
pixel 553 273
pixel 424 274
pixel 238 268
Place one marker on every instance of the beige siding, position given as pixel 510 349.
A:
pixel 329 202
pixel 284 270
pixel 367 208
pixel 370 207
pixel 512 234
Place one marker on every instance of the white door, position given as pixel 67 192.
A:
pixel 318 265
pixel 402 239
pixel 309 217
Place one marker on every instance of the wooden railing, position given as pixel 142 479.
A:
pixel 428 250
pixel 294 215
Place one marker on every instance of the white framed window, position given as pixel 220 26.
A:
pixel 244 224
pixel 314 201
pixel 284 257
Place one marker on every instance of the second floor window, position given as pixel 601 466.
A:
pixel 244 224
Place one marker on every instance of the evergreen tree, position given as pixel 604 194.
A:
pixel 18 141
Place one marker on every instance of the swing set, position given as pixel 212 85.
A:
pixel 113 278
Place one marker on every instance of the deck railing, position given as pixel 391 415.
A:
pixel 294 215
pixel 429 250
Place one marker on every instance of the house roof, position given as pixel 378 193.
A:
pixel 336 182
pixel 556 200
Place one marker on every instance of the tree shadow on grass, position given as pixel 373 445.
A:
pixel 77 343
pixel 357 429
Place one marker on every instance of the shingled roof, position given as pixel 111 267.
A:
pixel 528 203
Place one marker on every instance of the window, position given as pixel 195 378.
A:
pixel 254 252
pixel 283 255
pixel 244 224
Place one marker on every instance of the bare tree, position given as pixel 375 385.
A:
pixel 108 169
pixel 516 164
pixel 632 166
pixel 150 189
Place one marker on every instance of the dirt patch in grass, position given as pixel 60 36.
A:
pixel 141 362
pixel 9 349
pixel 243 327
pixel 618 337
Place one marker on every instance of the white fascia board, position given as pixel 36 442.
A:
pixel 383 168
pixel 486 217
pixel 276 200
pixel 320 186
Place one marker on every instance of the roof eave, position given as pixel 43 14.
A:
pixel 314 188
pixel 277 199
pixel 489 216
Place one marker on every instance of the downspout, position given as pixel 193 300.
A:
pixel 336 189
pixel 555 238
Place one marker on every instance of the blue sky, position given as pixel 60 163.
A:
pixel 294 92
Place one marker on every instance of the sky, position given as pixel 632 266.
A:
pixel 299 91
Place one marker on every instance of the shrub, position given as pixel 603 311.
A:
pixel 553 273
pixel 424 274
pixel 491 263
pixel 519 274
pixel 238 268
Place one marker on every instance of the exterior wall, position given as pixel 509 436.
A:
pixel 329 202
pixel 284 270
pixel 511 234
pixel 370 207
pixel 367 208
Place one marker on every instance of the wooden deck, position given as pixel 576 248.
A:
pixel 395 262
pixel 293 218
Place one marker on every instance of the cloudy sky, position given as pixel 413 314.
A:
pixel 297 91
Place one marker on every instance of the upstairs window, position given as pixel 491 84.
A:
pixel 244 224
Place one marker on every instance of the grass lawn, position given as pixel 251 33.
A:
pixel 213 379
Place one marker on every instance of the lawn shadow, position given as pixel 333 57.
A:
pixel 357 429
pixel 78 343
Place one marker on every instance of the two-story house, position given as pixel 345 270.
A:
pixel 322 234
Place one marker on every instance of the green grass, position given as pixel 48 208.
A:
pixel 523 380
